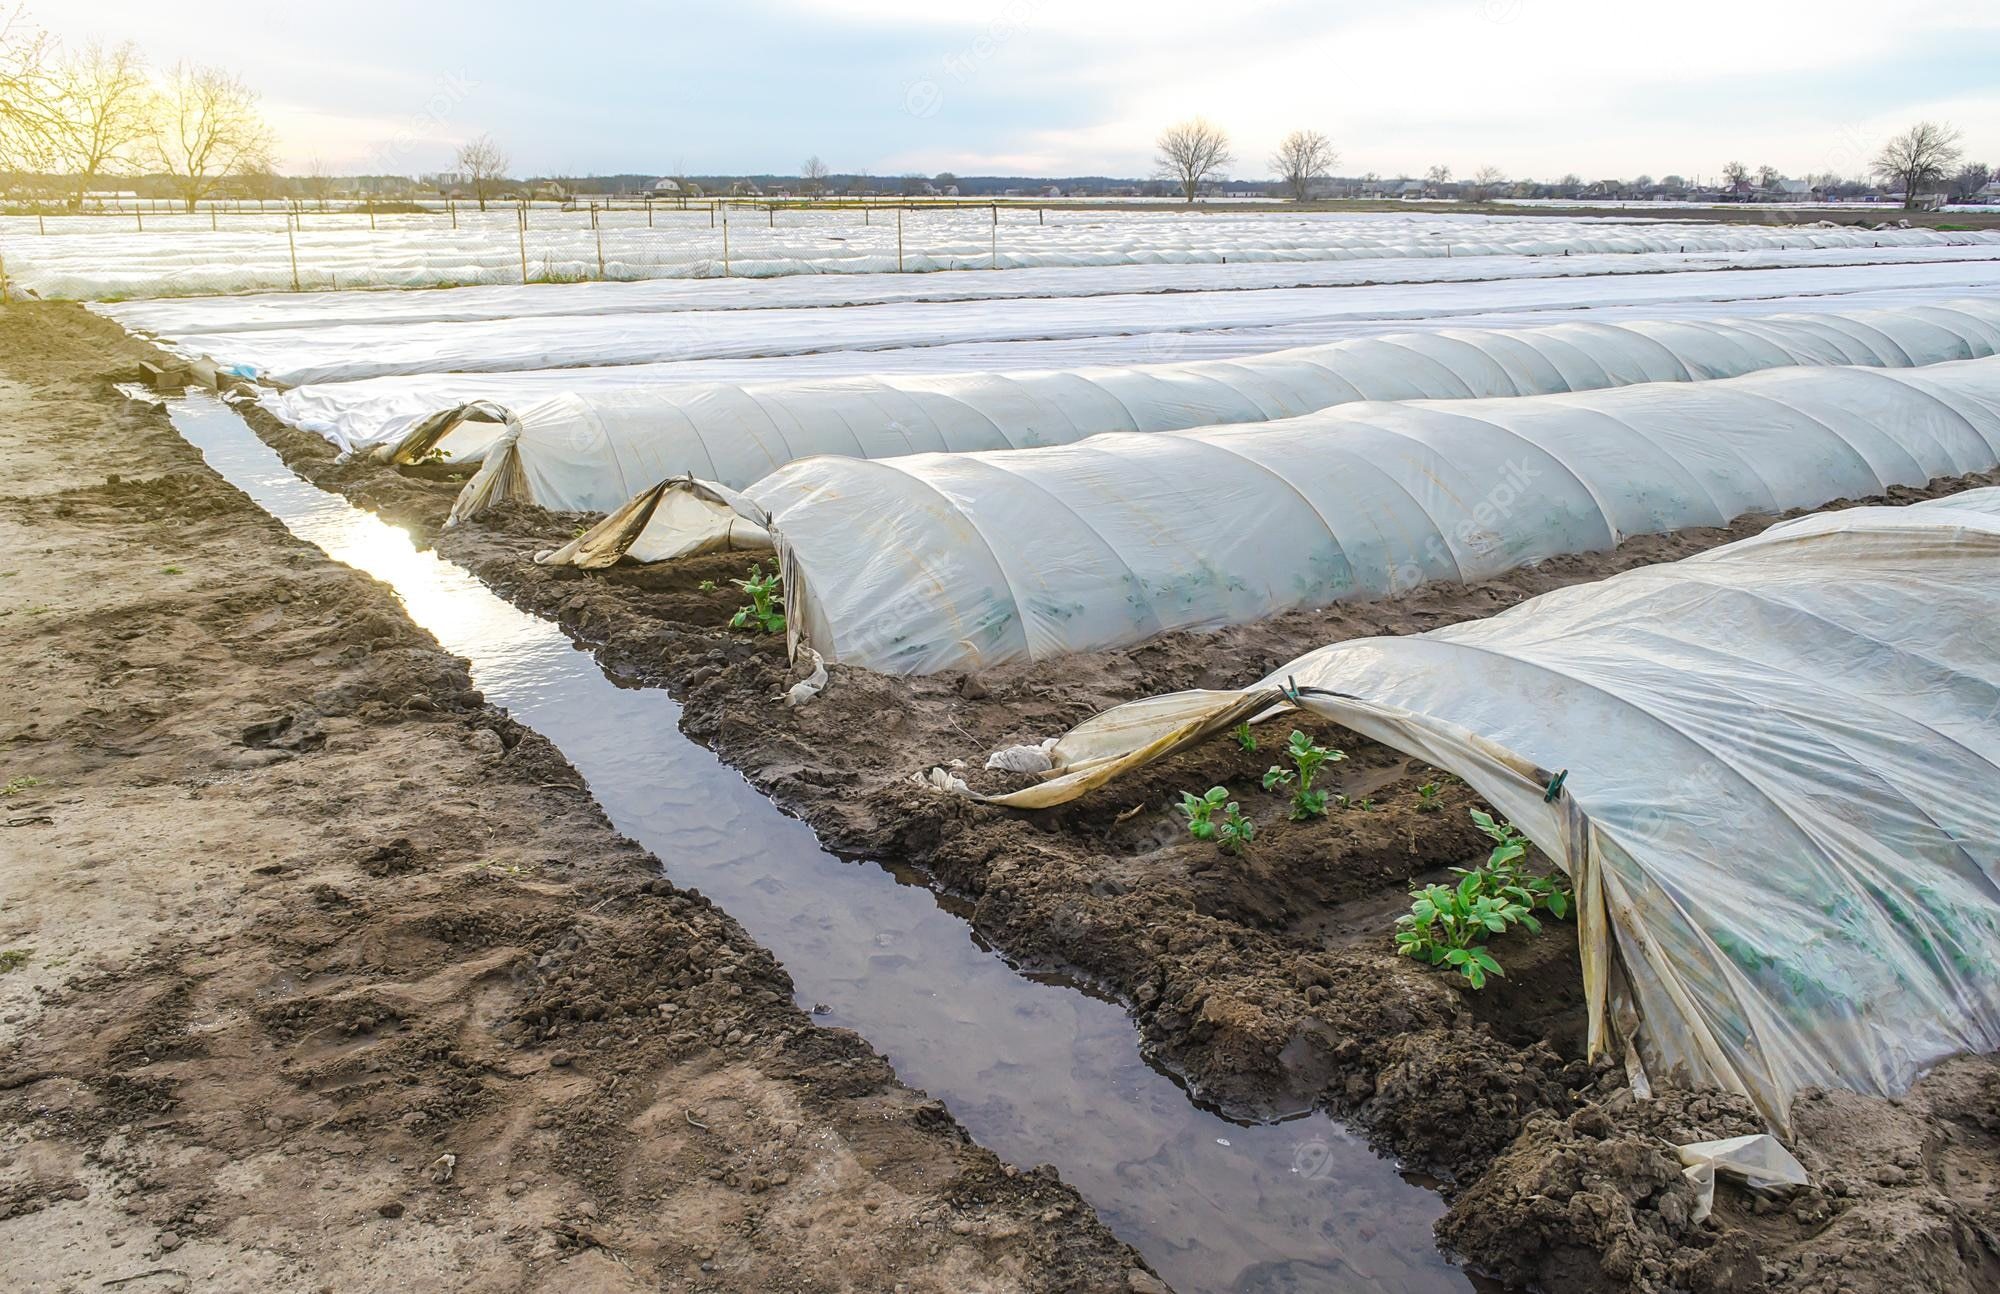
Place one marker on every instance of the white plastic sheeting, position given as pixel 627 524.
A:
pixel 181 317
pixel 962 561
pixel 592 452
pixel 1265 318
pixel 96 257
pixel 588 452
pixel 1780 790
pixel 373 410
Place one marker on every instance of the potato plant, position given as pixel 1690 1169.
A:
pixel 1231 832
pixel 1307 757
pixel 1505 871
pixel 763 612
pixel 1446 925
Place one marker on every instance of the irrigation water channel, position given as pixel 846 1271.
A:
pixel 1037 1069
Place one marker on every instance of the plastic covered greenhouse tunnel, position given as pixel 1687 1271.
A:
pixel 967 561
pixel 1824 696
pixel 592 450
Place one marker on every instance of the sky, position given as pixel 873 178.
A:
pixel 1536 88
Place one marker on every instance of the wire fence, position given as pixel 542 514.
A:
pixel 157 249
pixel 148 249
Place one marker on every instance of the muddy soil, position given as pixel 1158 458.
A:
pixel 1269 981
pixel 317 972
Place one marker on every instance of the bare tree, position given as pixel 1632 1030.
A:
pixel 1736 173
pixel 101 114
pixel 483 164
pixel 1923 154
pixel 1971 178
pixel 1191 154
pixel 1438 176
pixel 28 97
pixel 205 127
pixel 318 181
pixel 1303 157
pixel 812 174
pixel 1486 181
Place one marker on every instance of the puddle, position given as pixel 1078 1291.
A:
pixel 1036 1069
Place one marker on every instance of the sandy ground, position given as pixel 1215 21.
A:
pixel 318 973
pixel 1269 982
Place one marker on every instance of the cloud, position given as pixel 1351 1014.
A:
pixel 1536 87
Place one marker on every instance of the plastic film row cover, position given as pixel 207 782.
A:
pixel 965 561
pixel 1782 801
pixel 592 451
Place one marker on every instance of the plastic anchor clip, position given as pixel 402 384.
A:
pixel 1295 694
pixel 1555 787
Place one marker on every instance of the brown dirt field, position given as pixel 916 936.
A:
pixel 1269 982
pixel 289 918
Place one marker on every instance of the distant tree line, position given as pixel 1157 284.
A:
pixel 73 118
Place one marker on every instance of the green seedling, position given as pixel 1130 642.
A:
pixel 14 959
pixel 170 570
pixel 1445 926
pixel 1505 870
pixel 16 785
pixel 706 586
pixel 763 612
pixel 1232 832
pixel 1430 798
pixel 1244 737
pixel 1307 757
pixel 1235 831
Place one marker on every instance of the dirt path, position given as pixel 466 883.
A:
pixel 318 973
pixel 1270 981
